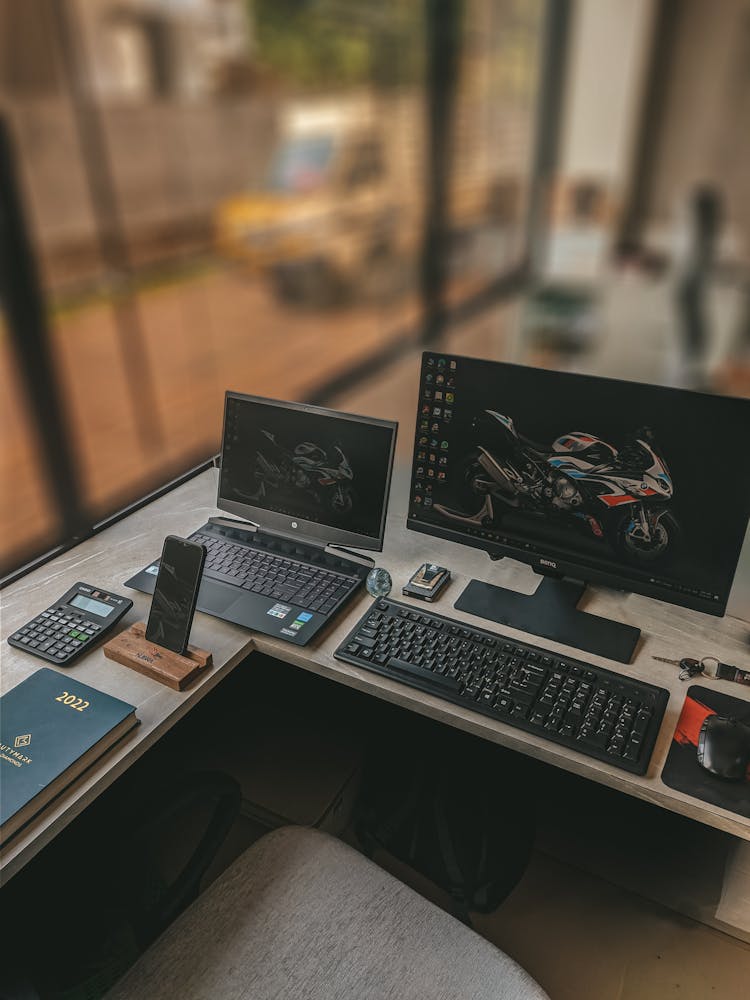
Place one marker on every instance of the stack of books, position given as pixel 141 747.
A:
pixel 52 729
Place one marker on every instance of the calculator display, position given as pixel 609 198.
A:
pixel 89 604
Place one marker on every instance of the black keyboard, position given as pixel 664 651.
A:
pixel 313 588
pixel 598 712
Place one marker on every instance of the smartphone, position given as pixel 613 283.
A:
pixel 173 604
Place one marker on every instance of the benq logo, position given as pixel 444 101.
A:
pixel 294 524
pixel 548 562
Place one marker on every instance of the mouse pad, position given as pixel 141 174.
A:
pixel 682 770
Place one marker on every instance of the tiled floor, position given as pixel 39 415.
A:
pixel 585 939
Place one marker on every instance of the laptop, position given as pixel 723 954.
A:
pixel 301 483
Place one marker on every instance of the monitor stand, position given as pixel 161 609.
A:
pixel 551 612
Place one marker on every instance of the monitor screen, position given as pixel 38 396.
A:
pixel 305 470
pixel 636 486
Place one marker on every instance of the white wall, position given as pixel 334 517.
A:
pixel 608 63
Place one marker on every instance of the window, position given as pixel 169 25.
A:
pixel 233 196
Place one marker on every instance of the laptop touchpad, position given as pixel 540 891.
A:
pixel 214 597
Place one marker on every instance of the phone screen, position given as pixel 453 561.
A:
pixel 176 592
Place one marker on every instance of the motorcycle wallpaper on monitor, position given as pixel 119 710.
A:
pixel 618 493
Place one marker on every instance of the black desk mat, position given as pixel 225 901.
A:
pixel 683 772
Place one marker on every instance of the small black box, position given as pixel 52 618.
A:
pixel 428 581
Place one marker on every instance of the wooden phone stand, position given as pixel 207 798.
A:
pixel 133 649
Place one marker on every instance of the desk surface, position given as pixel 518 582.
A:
pixel 116 554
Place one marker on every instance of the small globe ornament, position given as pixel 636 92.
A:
pixel 379 582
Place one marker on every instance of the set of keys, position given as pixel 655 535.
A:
pixel 709 666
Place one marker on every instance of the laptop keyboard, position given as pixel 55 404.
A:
pixel 313 588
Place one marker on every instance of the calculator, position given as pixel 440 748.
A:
pixel 72 625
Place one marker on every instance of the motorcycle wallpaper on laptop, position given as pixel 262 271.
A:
pixel 323 474
pixel 315 466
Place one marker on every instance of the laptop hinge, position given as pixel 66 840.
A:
pixel 233 522
pixel 357 557
pixel 250 526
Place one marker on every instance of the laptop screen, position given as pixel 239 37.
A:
pixel 306 470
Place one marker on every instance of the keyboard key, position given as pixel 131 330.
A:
pixel 365 641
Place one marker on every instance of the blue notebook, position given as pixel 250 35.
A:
pixel 51 729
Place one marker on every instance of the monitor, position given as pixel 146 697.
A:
pixel 637 487
pixel 306 471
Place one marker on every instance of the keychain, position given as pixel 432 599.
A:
pixel 709 666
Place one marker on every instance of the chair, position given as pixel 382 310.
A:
pixel 302 916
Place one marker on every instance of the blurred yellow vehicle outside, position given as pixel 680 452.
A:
pixel 338 211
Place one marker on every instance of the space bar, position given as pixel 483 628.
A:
pixel 411 670
pixel 215 574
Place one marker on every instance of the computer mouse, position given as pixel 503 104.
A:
pixel 724 747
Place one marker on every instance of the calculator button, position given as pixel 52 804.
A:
pixel 68 649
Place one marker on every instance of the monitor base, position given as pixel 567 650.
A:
pixel 551 612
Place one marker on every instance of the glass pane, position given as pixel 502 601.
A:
pixel 222 195
pixel 493 131
pixel 231 195
pixel 28 521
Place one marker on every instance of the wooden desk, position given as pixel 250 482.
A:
pixel 116 554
